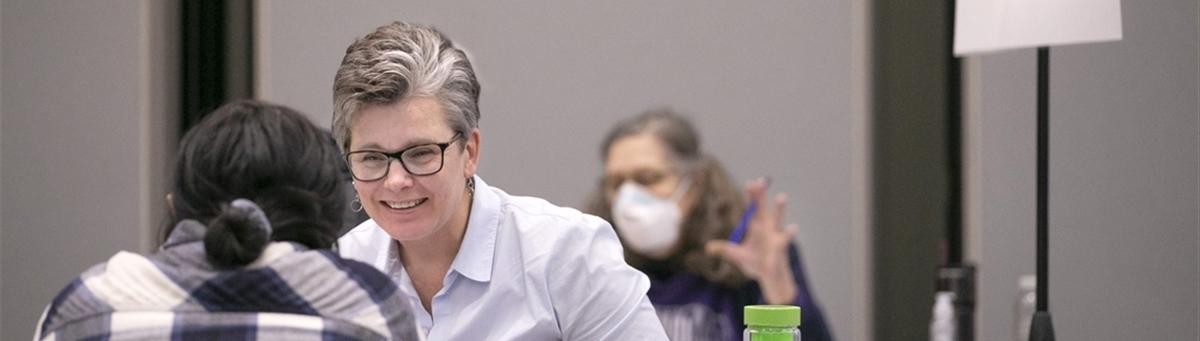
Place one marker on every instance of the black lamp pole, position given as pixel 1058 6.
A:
pixel 954 235
pixel 955 275
pixel 1042 329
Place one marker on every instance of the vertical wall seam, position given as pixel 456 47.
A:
pixel 1 179
pixel 145 135
pixel 973 165
pixel 862 305
pixel 261 53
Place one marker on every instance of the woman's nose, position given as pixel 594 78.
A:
pixel 397 177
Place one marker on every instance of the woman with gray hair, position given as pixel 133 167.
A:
pixel 674 206
pixel 474 262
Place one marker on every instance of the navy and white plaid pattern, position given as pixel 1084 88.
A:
pixel 289 293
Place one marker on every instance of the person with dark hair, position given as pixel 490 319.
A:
pixel 474 262
pixel 256 205
pixel 674 206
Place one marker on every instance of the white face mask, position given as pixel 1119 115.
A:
pixel 649 225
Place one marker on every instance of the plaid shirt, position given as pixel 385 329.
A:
pixel 289 293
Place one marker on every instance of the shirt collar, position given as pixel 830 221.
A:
pixel 476 254
pixel 185 231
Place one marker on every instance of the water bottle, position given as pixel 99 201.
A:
pixel 942 327
pixel 771 323
pixel 1025 306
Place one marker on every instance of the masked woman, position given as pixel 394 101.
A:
pixel 673 207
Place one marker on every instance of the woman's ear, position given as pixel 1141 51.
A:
pixel 699 176
pixel 171 205
pixel 695 189
pixel 473 142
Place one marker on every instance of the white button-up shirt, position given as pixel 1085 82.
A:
pixel 527 270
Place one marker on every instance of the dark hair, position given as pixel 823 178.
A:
pixel 717 209
pixel 271 155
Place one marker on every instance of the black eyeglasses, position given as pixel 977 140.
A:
pixel 420 160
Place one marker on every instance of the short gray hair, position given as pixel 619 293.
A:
pixel 399 61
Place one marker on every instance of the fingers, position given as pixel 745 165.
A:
pixel 716 247
pixel 791 231
pixel 775 213
pixel 770 214
pixel 727 250
pixel 756 189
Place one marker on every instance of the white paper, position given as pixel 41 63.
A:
pixel 992 25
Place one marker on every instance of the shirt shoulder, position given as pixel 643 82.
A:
pixel 560 232
pixel 593 294
pixel 568 245
pixel 536 215
pixel 367 243
pixel 346 290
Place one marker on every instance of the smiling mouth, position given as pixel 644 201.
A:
pixel 404 205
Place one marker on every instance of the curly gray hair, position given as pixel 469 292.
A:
pixel 399 61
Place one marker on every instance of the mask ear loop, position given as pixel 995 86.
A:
pixel 684 186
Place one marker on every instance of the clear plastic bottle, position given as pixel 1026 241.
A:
pixel 1025 306
pixel 771 323
pixel 942 327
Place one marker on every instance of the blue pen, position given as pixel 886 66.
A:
pixel 740 232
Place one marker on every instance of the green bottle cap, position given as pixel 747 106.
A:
pixel 772 315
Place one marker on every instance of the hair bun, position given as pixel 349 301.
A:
pixel 238 236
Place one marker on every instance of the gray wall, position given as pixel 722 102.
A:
pixel 1123 180
pixel 768 84
pixel 86 100
pixel 1 170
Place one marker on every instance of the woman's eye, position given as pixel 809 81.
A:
pixel 419 153
pixel 647 179
pixel 368 158
pixel 613 183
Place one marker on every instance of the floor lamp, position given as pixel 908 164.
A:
pixel 983 26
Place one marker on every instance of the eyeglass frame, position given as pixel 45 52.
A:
pixel 397 156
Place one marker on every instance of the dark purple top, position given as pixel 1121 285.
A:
pixel 692 308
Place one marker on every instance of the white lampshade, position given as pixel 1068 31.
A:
pixel 982 26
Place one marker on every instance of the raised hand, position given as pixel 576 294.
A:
pixel 763 253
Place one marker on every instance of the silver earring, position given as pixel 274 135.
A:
pixel 471 185
pixel 356 205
